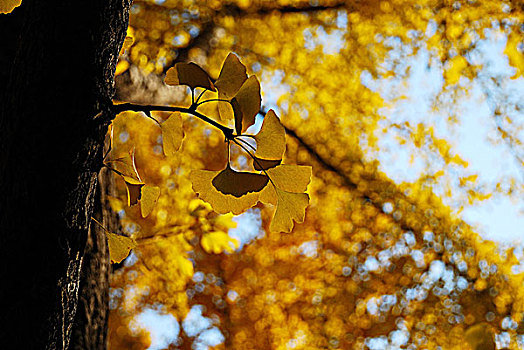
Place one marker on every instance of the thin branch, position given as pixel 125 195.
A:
pixel 228 133
pixel 212 100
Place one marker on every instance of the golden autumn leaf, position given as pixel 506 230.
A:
pixel 239 183
pixel 121 67
pixel 128 42
pixel 290 207
pixel 133 187
pixel 7 6
pixel 148 199
pixel 286 177
pixel 265 164
pixel 172 134
pixel 480 337
pixel 217 242
pixel 119 246
pixel 246 104
pixel 189 74
pixel 202 181
pixel 271 139
pixel 232 76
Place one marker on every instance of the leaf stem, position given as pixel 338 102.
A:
pixel 228 133
pixel 148 114
pixel 99 224
pixel 200 95
pixel 255 160
pixel 246 143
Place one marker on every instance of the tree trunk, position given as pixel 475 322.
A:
pixel 57 61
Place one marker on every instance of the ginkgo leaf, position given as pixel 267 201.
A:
pixel 7 6
pixel 271 139
pixel 287 177
pixel 232 76
pixel 148 199
pixel 189 74
pixel 265 164
pixel 290 207
pixel 119 246
pixel 246 104
pixel 291 178
pixel 239 183
pixel 121 67
pixel 128 42
pixel 133 187
pixel 480 337
pixel 220 202
pixel 217 242
pixel 172 134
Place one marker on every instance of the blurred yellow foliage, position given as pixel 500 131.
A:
pixel 375 264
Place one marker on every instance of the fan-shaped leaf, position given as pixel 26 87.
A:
pixel 148 199
pixel 172 134
pixel 290 206
pixel 119 246
pixel 290 178
pixel 265 164
pixel 238 184
pixel 246 104
pixel 189 74
pixel 217 242
pixel 7 6
pixel 232 76
pixel 220 202
pixel 271 139
pixel 133 187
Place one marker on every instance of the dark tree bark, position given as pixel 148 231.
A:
pixel 57 60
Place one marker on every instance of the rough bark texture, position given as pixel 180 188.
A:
pixel 57 60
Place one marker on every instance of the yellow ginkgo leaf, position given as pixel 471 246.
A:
pixel 7 6
pixel 220 202
pixel 128 42
pixel 286 177
pixel 172 134
pixel 119 246
pixel 265 164
pixel 217 242
pixel 148 199
pixel 133 187
pixel 232 76
pixel 121 67
pixel 246 104
pixel 238 183
pixel 290 206
pixel 271 139
pixel 189 74
pixel 480 337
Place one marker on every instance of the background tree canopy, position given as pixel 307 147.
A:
pixel 383 257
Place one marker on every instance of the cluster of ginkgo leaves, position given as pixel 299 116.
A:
pixel 238 100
